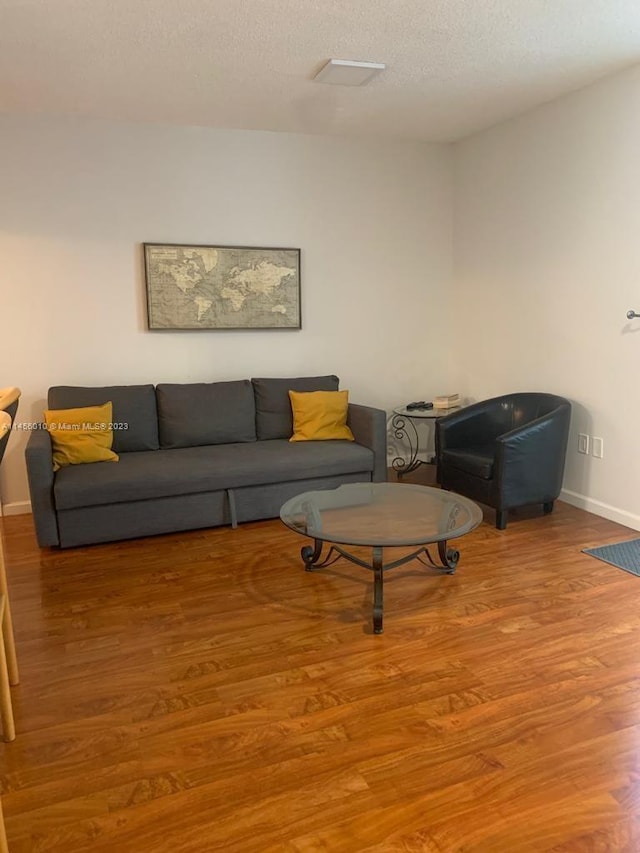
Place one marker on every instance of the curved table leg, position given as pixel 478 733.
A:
pixel 311 556
pixel 448 557
pixel 400 425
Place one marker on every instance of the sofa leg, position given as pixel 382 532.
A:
pixel 232 508
pixel 547 507
pixel 501 519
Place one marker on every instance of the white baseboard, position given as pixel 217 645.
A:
pixel 613 513
pixel 16 508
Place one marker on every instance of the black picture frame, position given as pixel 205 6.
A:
pixel 215 287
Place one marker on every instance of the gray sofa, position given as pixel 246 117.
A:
pixel 191 456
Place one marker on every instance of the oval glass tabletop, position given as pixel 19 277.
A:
pixel 381 514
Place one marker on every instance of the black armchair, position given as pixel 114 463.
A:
pixel 505 452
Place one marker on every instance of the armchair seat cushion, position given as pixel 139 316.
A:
pixel 477 461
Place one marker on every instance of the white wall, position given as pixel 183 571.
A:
pixel 547 263
pixel 77 199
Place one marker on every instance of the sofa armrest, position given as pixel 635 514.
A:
pixel 369 428
pixel 39 459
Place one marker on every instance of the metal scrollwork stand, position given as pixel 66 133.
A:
pixel 404 428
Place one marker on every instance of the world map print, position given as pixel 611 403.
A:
pixel 222 287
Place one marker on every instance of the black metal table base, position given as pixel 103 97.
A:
pixel 313 560
pixel 404 428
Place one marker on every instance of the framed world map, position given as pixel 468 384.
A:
pixel 222 287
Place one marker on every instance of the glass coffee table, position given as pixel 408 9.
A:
pixel 379 516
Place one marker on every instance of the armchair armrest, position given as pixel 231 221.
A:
pixel 480 423
pixel 39 460
pixel 532 457
pixel 369 427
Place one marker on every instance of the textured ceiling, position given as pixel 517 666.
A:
pixel 453 66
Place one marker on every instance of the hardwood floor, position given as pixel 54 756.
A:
pixel 201 692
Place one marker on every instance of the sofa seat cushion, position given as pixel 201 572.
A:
pixel 477 461
pixel 166 473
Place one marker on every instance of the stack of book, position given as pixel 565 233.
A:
pixel 446 401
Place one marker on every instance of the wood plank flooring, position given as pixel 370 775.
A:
pixel 201 692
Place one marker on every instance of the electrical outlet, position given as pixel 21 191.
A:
pixel 583 442
pixel 597 447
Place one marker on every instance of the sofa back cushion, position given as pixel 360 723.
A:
pixel 135 417
pixel 273 406
pixel 204 413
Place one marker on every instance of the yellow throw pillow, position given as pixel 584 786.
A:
pixel 81 435
pixel 320 415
